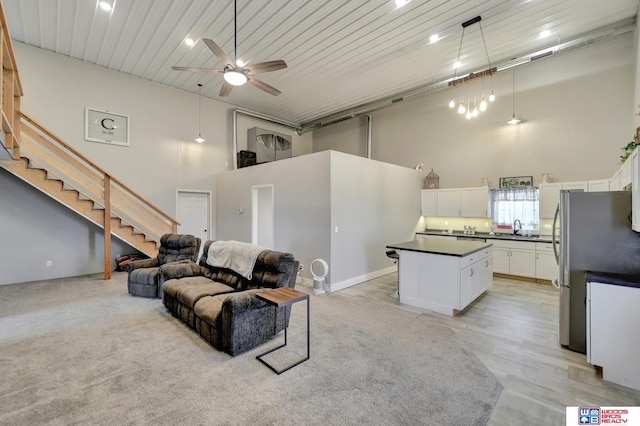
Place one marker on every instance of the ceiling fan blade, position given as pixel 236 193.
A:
pixel 217 50
pixel 266 66
pixel 197 69
pixel 225 89
pixel 264 86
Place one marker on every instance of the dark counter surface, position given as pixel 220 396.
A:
pixel 453 247
pixel 485 235
pixel 614 279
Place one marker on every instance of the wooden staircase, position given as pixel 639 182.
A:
pixel 58 170
pixel 37 156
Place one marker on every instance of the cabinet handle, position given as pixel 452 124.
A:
pixel 486 263
pixel 471 272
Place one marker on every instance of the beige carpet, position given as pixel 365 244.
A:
pixel 83 351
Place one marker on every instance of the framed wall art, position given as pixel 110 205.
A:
pixel 516 181
pixel 106 127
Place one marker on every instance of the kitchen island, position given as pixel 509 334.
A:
pixel 443 276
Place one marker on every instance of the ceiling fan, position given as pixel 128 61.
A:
pixel 233 73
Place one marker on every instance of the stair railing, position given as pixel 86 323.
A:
pixel 63 162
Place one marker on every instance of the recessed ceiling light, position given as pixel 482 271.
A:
pixel 105 5
pixel 434 38
pixel 189 42
pixel 457 64
pixel 400 3
pixel 545 33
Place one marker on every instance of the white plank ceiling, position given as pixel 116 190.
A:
pixel 341 54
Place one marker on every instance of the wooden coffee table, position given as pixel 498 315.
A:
pixel 279 297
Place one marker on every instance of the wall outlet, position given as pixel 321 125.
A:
pixel 486 224
pixel 300 268
pixel 49 263
pixel 446 223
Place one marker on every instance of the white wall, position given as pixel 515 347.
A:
pixel 576 118
pixel 302 205
pixel 372 204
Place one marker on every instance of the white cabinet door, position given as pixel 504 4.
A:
pixel 626 174
pixel 576 185
pixel 429 202
pixel 614 182
pixel 546 266
pixel 549 197
pixel 601 185
pixel 522 262
pixel 466 276
pixel 474 202
pixel 612 330
pixel 500 260
pixel 483 278
pixel 635 196
pixel 449 202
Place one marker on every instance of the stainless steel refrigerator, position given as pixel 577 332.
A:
pixel 594 234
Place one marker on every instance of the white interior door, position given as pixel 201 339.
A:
pixel 262 219
pixel 194 213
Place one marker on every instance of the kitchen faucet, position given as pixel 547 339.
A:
pixel 515 231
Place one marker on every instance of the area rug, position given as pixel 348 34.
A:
pixel 86 352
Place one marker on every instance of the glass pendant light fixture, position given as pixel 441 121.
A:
pixel 199 139
pixel 468 110
pixel 514 120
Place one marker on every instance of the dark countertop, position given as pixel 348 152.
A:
pixel 614 279
pixel 459 248
pixel 485 235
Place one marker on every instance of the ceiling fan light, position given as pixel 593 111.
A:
pixel 235 78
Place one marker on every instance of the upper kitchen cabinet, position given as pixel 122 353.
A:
pixel 549 196
pixel 449 202
pixel 429 202
pixel 474 202
pixel 622 177
pixel 601 185
pixel 455 202
pixel 576 186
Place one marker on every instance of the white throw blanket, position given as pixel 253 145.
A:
pixel 234 255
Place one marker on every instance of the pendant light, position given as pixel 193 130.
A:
pixel 471 111
pixel 514 120
pixel 199 139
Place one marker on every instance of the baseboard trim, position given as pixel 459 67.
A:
pixel 362 278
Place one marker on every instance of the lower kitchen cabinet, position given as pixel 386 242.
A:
pixel 546 265
pixel 474 279
pixel 514 258
pixel 613 327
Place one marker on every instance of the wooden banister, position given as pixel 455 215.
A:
pixel 99 169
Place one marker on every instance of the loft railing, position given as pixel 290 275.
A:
pixel 10 92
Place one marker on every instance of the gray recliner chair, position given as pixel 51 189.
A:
pixel 143 278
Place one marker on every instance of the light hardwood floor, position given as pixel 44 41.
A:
pixel 512 328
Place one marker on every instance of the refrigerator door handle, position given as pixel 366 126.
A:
pixel 553 235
